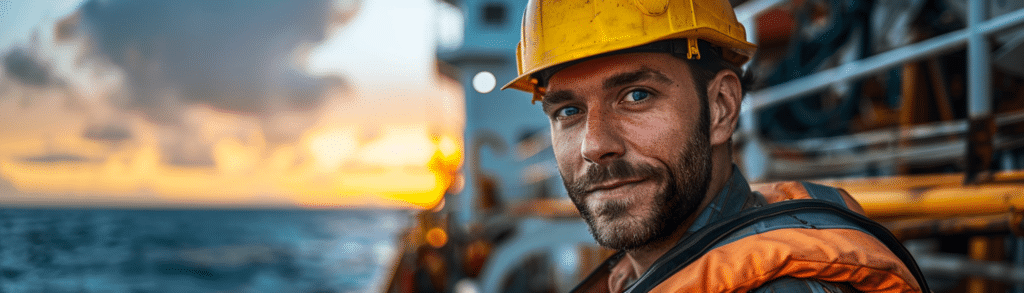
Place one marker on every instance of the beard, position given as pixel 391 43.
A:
pixel 684 185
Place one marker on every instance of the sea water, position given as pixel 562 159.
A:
pixel 81 250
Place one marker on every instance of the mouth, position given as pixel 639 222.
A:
pixel 610 185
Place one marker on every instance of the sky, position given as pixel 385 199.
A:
pixel 316 103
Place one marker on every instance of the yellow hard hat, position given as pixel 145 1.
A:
pixel 559 31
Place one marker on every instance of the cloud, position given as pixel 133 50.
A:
pixel 108 133
pixel 164 59
pixel 112 59
pixel 20 64
pixel 236 56
pixel 56 158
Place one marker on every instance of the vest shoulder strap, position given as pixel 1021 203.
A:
pixel 703 240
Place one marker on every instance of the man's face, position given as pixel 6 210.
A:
pixel 630 134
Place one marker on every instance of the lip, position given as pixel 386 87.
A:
pixel 613 184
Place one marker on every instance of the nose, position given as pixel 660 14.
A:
pixel 602 141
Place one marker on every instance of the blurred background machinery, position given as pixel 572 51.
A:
pixel 915 107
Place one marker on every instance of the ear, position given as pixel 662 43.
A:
pixel 724 97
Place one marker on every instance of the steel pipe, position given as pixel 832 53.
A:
pixel 1003 224
pixel 934 196
pixel 978 64
pixel 747 11
pixel 956 265
pixel 877 63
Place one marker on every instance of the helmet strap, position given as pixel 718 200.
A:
pixel 693 50
pixel 538 91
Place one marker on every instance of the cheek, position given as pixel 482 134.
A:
pixel 566 147
pixel 655 134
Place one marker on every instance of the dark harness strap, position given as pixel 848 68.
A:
pixel 704 240
pixel 822 192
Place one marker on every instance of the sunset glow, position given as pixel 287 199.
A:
pixel 95 114
pixel 406 167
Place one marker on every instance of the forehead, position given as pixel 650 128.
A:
pixel 601 72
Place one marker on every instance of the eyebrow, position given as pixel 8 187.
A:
pixel 556 98
pixel 644 73
pixel 621 79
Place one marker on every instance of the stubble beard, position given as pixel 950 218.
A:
pixel 684 186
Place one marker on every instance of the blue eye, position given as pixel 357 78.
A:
pixel 567 111
pixel 637 95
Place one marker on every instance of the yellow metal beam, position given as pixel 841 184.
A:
pixel 885 198
pixel 935 196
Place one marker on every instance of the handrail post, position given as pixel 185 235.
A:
pixel 982 125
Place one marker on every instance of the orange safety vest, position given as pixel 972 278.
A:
pixel 816 245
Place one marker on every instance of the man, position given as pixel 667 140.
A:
pixel 643 97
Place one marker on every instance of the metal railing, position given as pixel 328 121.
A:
pixel 757 158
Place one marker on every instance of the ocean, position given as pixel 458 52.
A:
pixel 90 250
